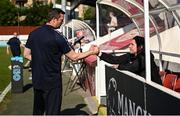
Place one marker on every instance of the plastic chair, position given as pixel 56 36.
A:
pixel 177 85
pixel 169 81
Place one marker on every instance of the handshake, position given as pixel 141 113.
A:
pixel 94 49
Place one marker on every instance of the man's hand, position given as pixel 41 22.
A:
pixel 94 49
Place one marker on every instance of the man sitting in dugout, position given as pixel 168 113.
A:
pixel 133 61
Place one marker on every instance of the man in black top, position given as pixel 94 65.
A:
pixel 44 47
pixel 133 61
pixel 15 45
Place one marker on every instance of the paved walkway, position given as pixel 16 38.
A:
pixel 73 102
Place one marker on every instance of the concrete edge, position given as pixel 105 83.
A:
pixel 6 90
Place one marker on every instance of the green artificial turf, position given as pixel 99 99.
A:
pixel 5 77
pixel 5 73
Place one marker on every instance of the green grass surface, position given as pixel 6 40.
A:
pixel 5 73
pixel 5 77
pixel 13 101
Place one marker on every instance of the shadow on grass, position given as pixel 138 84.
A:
pixel 26 87
pixel 75 111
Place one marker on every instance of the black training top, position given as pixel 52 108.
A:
pixel 14 44
pixel 47 46
pixel 132 63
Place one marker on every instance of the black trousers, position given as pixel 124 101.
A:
pixel 47 102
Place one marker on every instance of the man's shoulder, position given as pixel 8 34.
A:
pixel 59 34
pixel 42 30
pixel 37 29
pixel 13 38
pixel 10 38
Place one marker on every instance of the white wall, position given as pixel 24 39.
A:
pixel 170 43
pixel 5 38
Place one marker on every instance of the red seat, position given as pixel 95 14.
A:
pixel 162 75
pixel 169 81
pixel 177 85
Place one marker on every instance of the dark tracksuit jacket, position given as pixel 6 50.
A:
pixel 135 64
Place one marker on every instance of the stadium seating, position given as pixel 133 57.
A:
pixel 177 85
pixel 169 81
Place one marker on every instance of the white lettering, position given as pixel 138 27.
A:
pixel 124 104
pixel 120 103
pixel 131 108
pixel 138 111
pixel 125 107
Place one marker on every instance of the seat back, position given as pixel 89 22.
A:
pixel 169 81
pixel 177 85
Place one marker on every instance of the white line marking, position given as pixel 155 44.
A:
pixel 6 90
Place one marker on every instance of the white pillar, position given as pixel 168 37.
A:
pixel 63 7
pixel 147 46
pixel 97 20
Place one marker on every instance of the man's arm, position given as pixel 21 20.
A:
pixel 22 45
pixel 27 53
pixel 7 50
pixel 77 56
